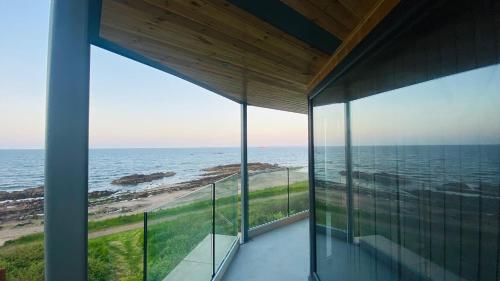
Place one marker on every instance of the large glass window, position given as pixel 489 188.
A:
pixel 425 182
pixel 427 176
pixel 407 153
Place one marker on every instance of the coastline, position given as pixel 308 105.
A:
pixel 22 213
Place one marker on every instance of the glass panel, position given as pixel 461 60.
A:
pixel 268 199
pixel 179 240
pixel 329 181
pixel 426 183
pixel 425 148
pixel 299 190
pixel 435 186
pixel 226 217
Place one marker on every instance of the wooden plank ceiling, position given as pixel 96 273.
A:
pixel 235 53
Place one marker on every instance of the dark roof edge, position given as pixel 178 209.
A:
pixel 402 17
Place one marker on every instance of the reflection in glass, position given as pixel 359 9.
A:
pixel 329 183
pixel 425 181
pixel 298 190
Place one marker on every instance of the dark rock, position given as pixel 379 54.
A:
pixel 21 224
pixel 37 192
pixel 136 179
pixel 21 210
pixel 235 168
pixel 206 180
pixel 100 194
pixel 23 194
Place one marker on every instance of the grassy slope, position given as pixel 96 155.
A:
pixel 174 234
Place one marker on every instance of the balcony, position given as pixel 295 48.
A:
pixel 279 255
pixel 196 236
pixel 374 70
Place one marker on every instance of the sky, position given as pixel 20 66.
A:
pixel 131 105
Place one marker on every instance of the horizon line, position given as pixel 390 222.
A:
pixel 162 147
pixel 259 146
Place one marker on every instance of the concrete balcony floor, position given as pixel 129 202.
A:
pixel 279 255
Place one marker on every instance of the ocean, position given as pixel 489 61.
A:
pixel 432 165
pixel 21 169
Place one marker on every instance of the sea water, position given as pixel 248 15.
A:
pixel 438 164
pixel 21 169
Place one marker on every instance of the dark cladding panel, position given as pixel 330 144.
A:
pixel 484 15
pixel 453 37
pixel 465 32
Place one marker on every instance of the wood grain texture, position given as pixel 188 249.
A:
pixel 378 12
pixel 338 11
pixel 320 17
pixel 233 52
pixel 219 45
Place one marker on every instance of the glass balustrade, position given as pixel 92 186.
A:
pixel 178 237
pixel 190 236
pixel 277 194
pixel 298 190
pixel 226 217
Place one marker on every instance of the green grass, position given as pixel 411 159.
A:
pixel 116 257
pixel 172 234
pixel 23 261
pixel 169 242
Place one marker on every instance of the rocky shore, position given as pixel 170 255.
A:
pixel 21 208
pixel 235 168
pixel 136 179
pixel 23 194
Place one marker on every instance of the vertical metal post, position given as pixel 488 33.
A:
pixel 348 164
pixel 244 175
pixel 312 203
pixel 66 143
pixel 145 249
pixel 288 191
pixel 213 230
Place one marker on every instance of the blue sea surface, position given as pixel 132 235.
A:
pixel 20 169
pixel 436 164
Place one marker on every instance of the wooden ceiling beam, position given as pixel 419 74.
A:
pixel 319 17
pixel 379 11
pixel 234 52
pixel 176 57
pixel 338 11
pixel 165 31
pixel 236 23
pixel 267 43
pixel 358 7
